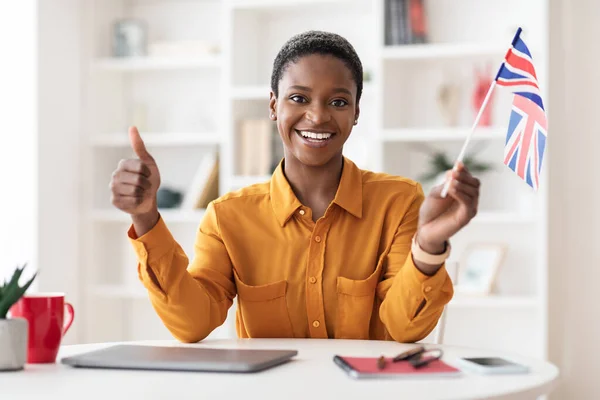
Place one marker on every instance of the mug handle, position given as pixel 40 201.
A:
pixel 70 315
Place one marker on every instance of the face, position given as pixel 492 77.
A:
pixel 316 109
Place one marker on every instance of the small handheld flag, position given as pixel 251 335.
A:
pixel 527 128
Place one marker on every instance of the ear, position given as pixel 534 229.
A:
pixel 272 107
pixel 356 114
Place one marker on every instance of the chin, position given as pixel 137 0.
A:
pixel 314 159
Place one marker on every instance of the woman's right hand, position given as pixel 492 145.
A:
pixel 134 185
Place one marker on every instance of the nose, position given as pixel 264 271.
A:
pixel 318 114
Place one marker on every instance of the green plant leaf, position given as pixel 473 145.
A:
pixel 12 292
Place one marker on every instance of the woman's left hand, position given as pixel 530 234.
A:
pixel 440 218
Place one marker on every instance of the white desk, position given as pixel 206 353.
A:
pixel 312 374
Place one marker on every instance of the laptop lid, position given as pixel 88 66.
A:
pixel 180 358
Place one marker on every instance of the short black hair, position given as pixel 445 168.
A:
pixel 317 42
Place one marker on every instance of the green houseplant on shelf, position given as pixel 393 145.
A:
pixel 439 163
pixel 13 331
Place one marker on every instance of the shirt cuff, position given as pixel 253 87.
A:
pixel 154 244
pixel 430 284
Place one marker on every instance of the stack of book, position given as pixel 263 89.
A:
pixel 405 22
pixel 258 147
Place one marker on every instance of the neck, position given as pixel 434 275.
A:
pixel 314 184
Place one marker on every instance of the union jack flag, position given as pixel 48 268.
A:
pixel 527 128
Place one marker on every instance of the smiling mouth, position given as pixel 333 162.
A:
pixel 315 140
pixel 315 136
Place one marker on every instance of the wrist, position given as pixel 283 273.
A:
pixel 431 247
pixel 143 223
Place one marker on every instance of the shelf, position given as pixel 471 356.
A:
pixel 119 291
pixel 439 134
pixel 444 50
pixel 157 139
pixel 258 92
pixel 503 217
pixel 152 63
pixel 270 4
pixel 493 301
pixel 170 216
pixel 240 181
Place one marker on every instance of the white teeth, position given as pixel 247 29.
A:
pixel 315 135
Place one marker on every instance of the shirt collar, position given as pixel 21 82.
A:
pixel 348 196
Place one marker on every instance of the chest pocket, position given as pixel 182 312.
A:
pixel 263 309
pixel 355 300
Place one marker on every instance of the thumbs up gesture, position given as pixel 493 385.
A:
pixel 134 184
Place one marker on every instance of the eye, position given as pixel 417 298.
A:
pixel 298 99
pixel 339 103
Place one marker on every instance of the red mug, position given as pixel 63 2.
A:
pixel 48 323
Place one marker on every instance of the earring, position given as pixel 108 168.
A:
pixel 355 121
pixel 273 116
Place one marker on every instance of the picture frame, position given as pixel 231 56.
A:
pixel 478 268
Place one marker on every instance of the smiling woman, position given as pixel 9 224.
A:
pixel 322 250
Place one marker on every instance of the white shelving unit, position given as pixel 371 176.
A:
pixel 156 63
pixel 158 139
pixel 194 103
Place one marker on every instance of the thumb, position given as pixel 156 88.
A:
pixel 138 145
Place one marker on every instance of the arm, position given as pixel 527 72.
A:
pixel 190 300
pixel 412 301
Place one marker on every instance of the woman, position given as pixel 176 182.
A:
pixel 323 250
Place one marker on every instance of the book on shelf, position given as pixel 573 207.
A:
pixel 257 147
pixel 405 22
pixel 205 184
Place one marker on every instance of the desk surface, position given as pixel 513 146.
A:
pixel 312 374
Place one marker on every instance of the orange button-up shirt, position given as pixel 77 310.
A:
pixel 349 275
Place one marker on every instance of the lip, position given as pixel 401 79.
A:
pixel 314 143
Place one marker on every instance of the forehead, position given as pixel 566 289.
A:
pixel 318 70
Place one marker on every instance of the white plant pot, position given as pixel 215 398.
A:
pixel 13 344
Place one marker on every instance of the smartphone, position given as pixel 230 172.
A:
pixel 492 365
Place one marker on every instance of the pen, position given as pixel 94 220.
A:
pixel 381 362
pixel 409 354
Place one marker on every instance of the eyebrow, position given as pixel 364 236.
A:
pixel 307 89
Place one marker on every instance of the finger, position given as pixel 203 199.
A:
pixel 127 190
pixel 131 178
pixel 135 166
pixel 436 191
pixel 125 202
pixel 138 145
pixel 469 190
pixel 466 177
pixel 467 203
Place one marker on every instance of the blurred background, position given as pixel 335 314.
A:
pixel 193 76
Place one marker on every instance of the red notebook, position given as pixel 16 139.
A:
pixel 366 367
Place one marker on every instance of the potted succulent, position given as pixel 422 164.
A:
pixel 13 331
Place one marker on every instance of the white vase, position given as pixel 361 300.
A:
pixel 13 344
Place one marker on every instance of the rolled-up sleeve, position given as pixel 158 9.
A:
pixel 412 302
pixel 191 299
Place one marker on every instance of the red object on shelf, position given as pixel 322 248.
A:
pixel 482 85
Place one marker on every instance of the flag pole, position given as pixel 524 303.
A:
pixel 466 144
pixel 485 101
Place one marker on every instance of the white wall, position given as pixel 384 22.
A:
pixel 574 143
pixel 18 124
pixel 59 160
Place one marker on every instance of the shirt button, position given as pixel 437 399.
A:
pixel 312 279
pixel 302 212
pixel 428 289
pixel 318 239
pixel 316 324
